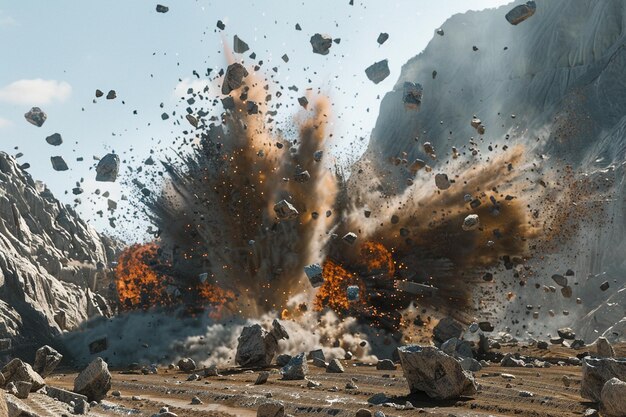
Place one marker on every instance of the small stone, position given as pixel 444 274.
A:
pixel 321 43
pixel 335 367
pixel 162 9
pixel 239 46
pixel 58 163
pixel 55 139
pixel 36 116
pixel 382 38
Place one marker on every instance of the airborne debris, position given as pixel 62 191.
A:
pixel 314 274
pixel 378 71
pixel 36 116
pixel 162 9
pixel 349 237
pixel 108 168
pixel 442 181
pixel 522 12
pixel 285 211
pixel 321 43
pixel 471 222
pixel 235 73
pixel 239 46
pixel 382 38
pixel 58 163
pixel 55 139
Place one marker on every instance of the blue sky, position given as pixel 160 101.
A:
pixel 56 54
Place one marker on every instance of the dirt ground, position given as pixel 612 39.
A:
pixel 234 393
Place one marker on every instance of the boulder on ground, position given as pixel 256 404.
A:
pixel 187 365
pixel 613 397
pixel 596 372
pixel 94 381
pixel 296 369
pixel 271 409
pixel 256 347
pixel 46 360
pixel 335 367
pixel 429 370
pixel 386 365
pixel 18 371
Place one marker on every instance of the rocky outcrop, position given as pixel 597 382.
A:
pixel 440 376
pixel 53 266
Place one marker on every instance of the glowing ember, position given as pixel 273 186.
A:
pixel 377 258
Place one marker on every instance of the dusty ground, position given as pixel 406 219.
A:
pixel 234 393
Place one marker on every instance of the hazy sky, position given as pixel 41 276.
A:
pixel 56 54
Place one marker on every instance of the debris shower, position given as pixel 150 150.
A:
pixel 224 242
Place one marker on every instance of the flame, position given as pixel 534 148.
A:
pixel 138 285
pixel 333 292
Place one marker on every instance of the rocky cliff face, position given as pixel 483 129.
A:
pixel 53 266
pixel 553 84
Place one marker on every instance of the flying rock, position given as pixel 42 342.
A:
pixel 58 163
pixel 162 9
pixel 55 139
pixel 235 73
pixel 471 222
pixel 378 71
pixel 520 13
pixel 321 43
pixel 441 181
pixel 314 274
pixel 285 211
pixel 239 46
pixel 349 238
pixel 108 168
pixel 382 38
pixel 36 116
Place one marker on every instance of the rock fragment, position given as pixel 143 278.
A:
pixel 382 38
pixel 239 46
pixel 314 274
pixel 447 329
pixel 349 238
pixel 471 222
pixel 520 13
pixel 335 367
pixel 235 73
pixel 296 369
pixel 271 409
pixel 162 9
pixel 256 347
pixel 187 365
pixel 18 371
pixel 58 163
pixel 378 71
pixel 613 397
pixel 429 370
pixel 55 139
pixel 285 211
pixel 412 94
pixel 46 360
pixel 94 381
pixel 36 116
pixel 604 348
pixel 321 43
pixel 108 168
pixel 442 181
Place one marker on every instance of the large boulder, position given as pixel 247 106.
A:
pixel 596 372
pixel 18 371
pixel 613 397
pixel 94 381
pixel 46 360
pixel 256 347
pixel 429 370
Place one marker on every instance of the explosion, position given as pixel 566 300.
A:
pixel 222 235
pixel 138 285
